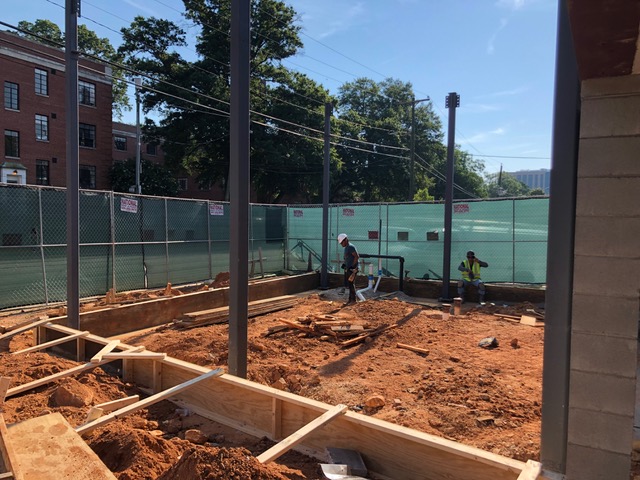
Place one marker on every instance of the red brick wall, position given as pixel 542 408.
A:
pixel 18 60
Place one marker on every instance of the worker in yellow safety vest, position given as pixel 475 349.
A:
pixel 470 269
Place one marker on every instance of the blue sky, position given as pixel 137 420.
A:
pixel 498 55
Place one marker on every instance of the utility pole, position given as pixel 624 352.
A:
pixel 452 102
pixel 138 187
pixel 412 178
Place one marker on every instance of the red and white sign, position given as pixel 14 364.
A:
pixel 129 205
pixel 461 208
pixel 348 212
pixel 216 209
pixel 298 213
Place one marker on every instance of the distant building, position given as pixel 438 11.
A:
pixel 34 115
pixel 534 178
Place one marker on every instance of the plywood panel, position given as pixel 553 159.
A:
pixel 47 448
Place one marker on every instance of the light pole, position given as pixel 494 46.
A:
pixel 138 187
pixel 412 182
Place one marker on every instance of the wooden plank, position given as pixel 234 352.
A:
pixel 504 315
pixel 6 475
pixel 134 355
pixel 118 403
pixel 88 427
pixel 508 319
pixel 531 470
pixel 47 448
pixel 361 338
pixel 108 348
pixel 7 451
pixel 93 413
pixel 24 328
pixel 53 343
pixel 4 386
pixel 412 348
pixel 55 376
pixel 298 436
pixel 276 425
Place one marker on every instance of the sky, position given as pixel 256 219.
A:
pixel 498 55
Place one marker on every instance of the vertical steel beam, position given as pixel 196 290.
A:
pixel 324 277
pixel 452 104
pixel 239 187
pixel 73 175
pixel 560 250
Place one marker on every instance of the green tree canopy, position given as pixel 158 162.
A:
pixel 154 179
pixel 193 98
pixel 505 185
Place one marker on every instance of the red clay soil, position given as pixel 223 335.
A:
pixel 485 397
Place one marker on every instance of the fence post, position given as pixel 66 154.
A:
pixel 41 242
pixel 112 216
pixel 166 239
pixel 513 241
pixel 208 214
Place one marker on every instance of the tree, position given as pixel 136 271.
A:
pixel 154 179
pixel 380 114
pixel 505 185
pixel 89 44
pixel 193 97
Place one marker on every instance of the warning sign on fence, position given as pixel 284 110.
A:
pixel 216 209
pixel 298 213
pixel 461 208
pixel 348 212
pixel 129 205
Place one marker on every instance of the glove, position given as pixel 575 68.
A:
pixel 471 276
pixel 343 266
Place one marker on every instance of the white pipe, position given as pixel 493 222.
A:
pixel 379 274
pixel 369 286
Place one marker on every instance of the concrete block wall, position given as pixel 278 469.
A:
pixel 606 288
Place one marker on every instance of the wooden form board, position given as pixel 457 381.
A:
pixel 47 448
pixel 390 450
pixel 52 343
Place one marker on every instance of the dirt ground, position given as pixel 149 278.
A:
pixel 453 388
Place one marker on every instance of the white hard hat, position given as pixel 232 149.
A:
pixel 342 237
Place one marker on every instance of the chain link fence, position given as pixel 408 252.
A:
pixel 509 234
pixel 130 242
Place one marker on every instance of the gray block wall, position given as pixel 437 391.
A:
pixel 606 289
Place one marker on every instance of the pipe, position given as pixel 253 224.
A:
pixel 398 257
pixel 369 286
pixel 379 274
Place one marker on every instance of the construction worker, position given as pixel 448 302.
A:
pixel 470 269
pixel 350 266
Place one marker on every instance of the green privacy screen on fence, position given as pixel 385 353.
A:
pixel 132 242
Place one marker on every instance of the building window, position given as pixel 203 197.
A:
pixel 151 149
pixel 42 127
pixel 87 176
pixel 86 93
pixel 182 184
pixel 87 135
pixel 11 96
pixel 42 172
pixel 11 143
pixel 120 143
pixel 42 82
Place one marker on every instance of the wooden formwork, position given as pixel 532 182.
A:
pixel 389 451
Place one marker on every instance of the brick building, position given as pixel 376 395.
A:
pixel 34 118
pixel 124 147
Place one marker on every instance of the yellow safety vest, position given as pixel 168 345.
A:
pixel 475 270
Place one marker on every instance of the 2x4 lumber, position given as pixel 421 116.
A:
pixel 93 413
pixel 88 427
pixel 118 403
pixel 52 343
pixel 66 373
pixel 6 475
pixel 531 470
pixel 24 328
pixel 8 452
pixel 298 436
pixel 4 386
pixel 108 348
pixel 133 355
pixel 413 349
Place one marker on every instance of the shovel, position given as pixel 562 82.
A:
pixel 334 471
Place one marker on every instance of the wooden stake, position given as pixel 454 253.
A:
pixel 298 436
pixel 4 386
pixel 7 452
pixel 531 470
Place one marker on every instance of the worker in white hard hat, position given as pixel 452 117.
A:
pixel 350 266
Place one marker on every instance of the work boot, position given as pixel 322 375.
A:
pixel 481 302
pixel 341 291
